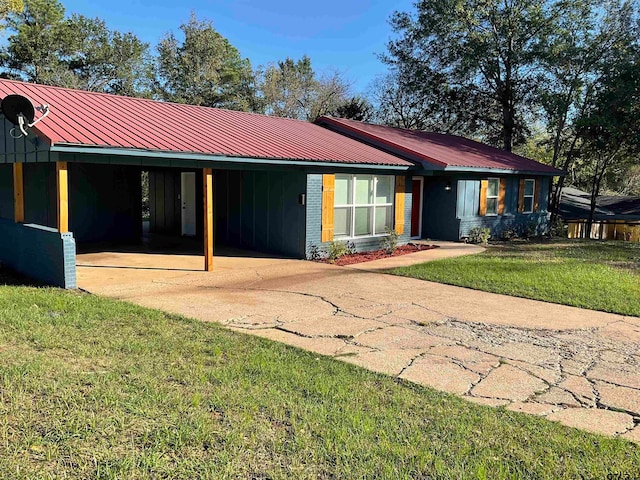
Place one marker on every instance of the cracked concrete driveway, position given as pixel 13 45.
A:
pixel 578 367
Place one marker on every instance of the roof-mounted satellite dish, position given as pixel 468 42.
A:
pixel 19 111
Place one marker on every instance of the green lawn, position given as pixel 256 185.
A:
pixel 589 274
pixel 94 388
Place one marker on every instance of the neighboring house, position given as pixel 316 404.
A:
pixel 251 181
pixel 615 217
pixel 459 184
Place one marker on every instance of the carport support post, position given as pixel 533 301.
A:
pixel 207 181
pixel 62 191
pixel 18 193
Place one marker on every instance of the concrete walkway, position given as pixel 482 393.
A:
pixel 576 366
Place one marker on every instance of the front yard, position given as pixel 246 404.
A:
pixel 589 274
pixel 94 388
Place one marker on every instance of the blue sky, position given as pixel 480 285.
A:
pixel 344 35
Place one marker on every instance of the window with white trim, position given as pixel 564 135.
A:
pixel 529 195
pixel 363 205
pixel 493 190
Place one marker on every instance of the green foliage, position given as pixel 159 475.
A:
pixel 479 235
pixel 315 253
pixel 356 108
pixel 588 274
pixel 337 249
pixel 76 52
pixel 389 243
pixel 203 69
pixel 94 388
pixel 9 6
pixel 292 89
pixel 558 228
pixel 470 66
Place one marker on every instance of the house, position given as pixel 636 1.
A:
pixel 252 181
pixel 458 184
pixel 616 217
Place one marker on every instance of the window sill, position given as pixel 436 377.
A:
pixel 362 237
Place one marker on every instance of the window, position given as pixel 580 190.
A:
pixel 363 205
pixel 493 190
pixel 528 197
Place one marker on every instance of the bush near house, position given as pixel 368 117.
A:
pixel 94 388
pixel 582 273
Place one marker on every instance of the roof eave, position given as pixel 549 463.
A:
pixel 510 171
pixel 201 157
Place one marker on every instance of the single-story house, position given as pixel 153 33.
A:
pixel 252 181
pixel 616 217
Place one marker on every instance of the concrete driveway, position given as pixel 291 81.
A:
pixel 576 366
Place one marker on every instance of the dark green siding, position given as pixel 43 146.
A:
pixel 105 203
pixel 6 191
pixel 439 209
pixel 40 194
pixel 259 210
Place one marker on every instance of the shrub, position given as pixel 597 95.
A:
pixel 315 253
pixel 479 235
pixel 557 228
pixel 336 250
pixel 389 242
pixel 509 234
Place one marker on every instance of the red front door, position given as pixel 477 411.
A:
pixel 416 198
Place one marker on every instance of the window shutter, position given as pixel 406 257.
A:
pixel 328 199
pixel 502 195
pixel 521 196
pixel 484 186
pixel 536 196
pixel 399 205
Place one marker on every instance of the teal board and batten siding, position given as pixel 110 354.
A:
pixel 105 203
pixel 314 219
pixel 6 191
pixel 468 205
pixel 260 210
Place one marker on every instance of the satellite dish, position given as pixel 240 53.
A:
pixel 20 111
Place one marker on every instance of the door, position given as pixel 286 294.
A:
pixel 416 207
pixel 188 198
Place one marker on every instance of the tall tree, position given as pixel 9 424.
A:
pixel 293 89
pixel 481 53
pixel 77 52
pixel 203 69
pixel 574 61
pixel 610 129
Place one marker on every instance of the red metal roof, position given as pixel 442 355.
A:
pixel 437 149
pixel 96 119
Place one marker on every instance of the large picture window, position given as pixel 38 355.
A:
pixel 493 190
pixel 363 205
pixel 529 195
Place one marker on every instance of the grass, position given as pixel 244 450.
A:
pixel 94 388
pixel 589 274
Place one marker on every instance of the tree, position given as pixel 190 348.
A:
pixel 610 129
pixel 9 6
pixel 203 69
pixel 356 108
pixel 292 89
pixel 76 52
pixel 474 63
